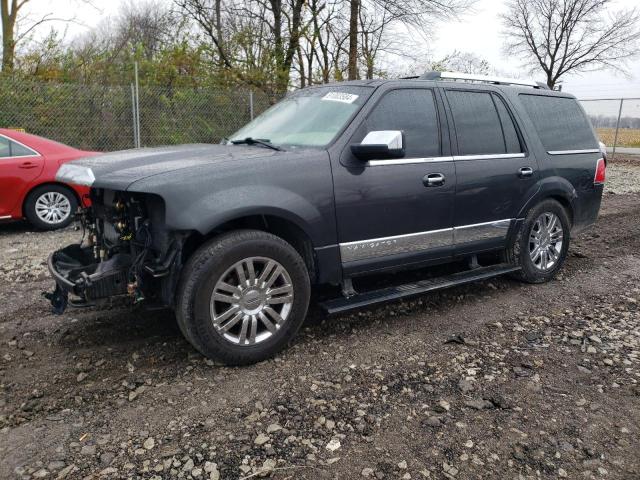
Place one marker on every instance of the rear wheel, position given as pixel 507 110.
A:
pixel 242 297
pixel 50 207
pixel 541 244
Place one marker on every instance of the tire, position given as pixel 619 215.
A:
pixel 214 263
pixel 519 252
pixel 61 198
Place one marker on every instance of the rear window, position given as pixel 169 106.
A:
pixel 560 122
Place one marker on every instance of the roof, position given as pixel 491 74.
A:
pixel 40 144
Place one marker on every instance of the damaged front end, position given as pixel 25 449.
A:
pixel 125 251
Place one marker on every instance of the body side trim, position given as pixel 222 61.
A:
pixel 573 152
pixel 407 161
pixel 421 241
pixel 490 157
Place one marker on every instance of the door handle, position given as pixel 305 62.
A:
pixel 433 180
pixel 525 172
pixel 27 165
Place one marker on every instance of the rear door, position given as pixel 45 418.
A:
pixel 388 212
pixel 494 170
pixel 19 166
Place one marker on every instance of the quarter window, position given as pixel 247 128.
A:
pixel 414 112
pixel 483 124
pixel 560 122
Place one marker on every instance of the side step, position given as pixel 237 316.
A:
pixel 365 299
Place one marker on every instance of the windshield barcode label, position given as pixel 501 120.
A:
pixel 340 97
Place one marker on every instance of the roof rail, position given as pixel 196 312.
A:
pixel 481 78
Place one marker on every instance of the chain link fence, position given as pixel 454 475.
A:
pixel 617 122
pixel 107 118
pixel 103 118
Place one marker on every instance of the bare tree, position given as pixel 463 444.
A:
pixel 148 24
pixel 11 14
pixel 418 14
pixel 465 62
pixel 9 10
pixel 261 30
pixel 561 36
pixel 354 10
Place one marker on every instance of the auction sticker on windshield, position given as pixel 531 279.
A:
pixel 340 97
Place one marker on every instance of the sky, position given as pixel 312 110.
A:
pixel 477 32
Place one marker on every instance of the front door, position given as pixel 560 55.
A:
pixel 19 166
pixel 495 174
pixel 393 212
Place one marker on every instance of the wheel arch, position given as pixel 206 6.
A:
pixel 554 188
pixel 44 184
pixel 278 225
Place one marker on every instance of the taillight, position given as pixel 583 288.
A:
pixel 601 172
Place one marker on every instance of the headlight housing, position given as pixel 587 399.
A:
pixel 75 174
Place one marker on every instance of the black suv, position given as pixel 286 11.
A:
pixel 335 182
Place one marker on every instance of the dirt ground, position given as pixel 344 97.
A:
pixel 494 380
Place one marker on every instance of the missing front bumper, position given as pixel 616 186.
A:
pixel 77 273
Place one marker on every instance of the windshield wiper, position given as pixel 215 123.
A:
pixel 257 141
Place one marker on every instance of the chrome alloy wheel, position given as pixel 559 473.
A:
pixel 251 300
pixel 545 241
pixel 53 207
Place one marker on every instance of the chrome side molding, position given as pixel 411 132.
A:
pixel 382 247
pixel 573 152
pixel 409 161
pixel 423 241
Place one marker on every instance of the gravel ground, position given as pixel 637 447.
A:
pixel 494 380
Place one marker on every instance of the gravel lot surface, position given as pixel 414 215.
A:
pixel 493 380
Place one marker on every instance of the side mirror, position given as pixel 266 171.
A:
pixel 379 145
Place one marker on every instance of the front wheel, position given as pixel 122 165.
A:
pixel 541 244
pixel 242 297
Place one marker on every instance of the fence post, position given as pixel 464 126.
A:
pixel 615 141
pixel 251 104
pixel 133 116
pixel 137 116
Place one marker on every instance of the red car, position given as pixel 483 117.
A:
pixel 28 189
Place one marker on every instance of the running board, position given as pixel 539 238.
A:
pixel 365 299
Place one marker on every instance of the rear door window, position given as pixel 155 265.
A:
pixel 18 150
pixel 511 139
pixel 10 149
pixel 483 124
pixel 413 111
pixel 560 122
pixel 5 149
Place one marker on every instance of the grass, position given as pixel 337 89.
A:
pixel 627 137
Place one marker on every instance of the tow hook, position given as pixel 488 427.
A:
pixel 59 299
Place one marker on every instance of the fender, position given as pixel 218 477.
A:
pixel 549 187
pixel 216 208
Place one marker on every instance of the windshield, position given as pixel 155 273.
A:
pixel 308 118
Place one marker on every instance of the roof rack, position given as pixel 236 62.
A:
pixel 481 78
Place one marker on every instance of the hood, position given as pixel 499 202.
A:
pixel 118 170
